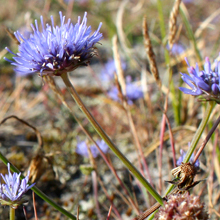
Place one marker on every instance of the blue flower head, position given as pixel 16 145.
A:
pixel 13 190
pixel 177 49
pixel 205 82
pixel 133 92
pixel 82 148
pixel 182 156
pixel 55 50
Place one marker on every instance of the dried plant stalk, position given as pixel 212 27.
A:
pixel 39 137
pixel 150 53
pixel 119 69
pixel 172 23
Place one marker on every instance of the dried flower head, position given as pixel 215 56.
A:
pixel 184 176
pixel 205 82
pixel 182 207
pixel 38 165
pixel 12 192
pixel 55 50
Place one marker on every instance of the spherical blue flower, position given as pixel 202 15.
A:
pixel 133 92
pixel 55 50
pixel 82 148
pixel 205 82
pixel 13 190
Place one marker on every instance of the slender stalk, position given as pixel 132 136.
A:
pixel 95 192
pixel 162 130
pixel 104 136
pixel 206 139
pixel 162 28
pixel 57 91
pixel 12 213
pixel 199 131
pixel 34 205
pixel 38 192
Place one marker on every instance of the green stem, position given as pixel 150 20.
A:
pixel 38 192
pixel 199 131
pixel 104 136
pixel 163 29
pixel 176 102
pixel 12 213
pixel 196 137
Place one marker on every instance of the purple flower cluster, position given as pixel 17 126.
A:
pixel 55 50
pixel 182 156
pixel 82 148
pixel 13 190
pixel 204 82
pixel 177 49
pixel 133 92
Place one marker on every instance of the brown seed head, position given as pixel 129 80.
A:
pixel 172 23
pixel 150 53
pixel 185 173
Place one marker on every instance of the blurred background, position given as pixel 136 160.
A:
pixel 31 99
